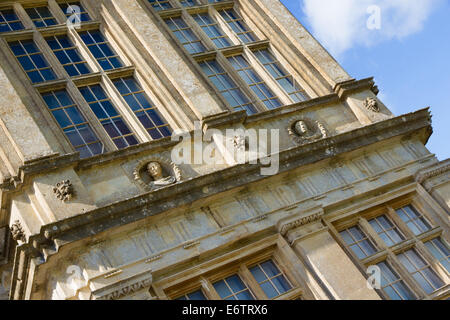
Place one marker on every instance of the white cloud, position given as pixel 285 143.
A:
pixel 341 24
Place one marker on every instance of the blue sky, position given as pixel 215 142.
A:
pixel 408 55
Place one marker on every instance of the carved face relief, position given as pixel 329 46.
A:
pixel 305 131
pixel 63 190
pixel 301 128
pixel 372 105
pixel 239 142
pixel 152 174
pixel 155 170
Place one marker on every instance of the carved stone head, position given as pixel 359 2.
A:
pixel 155 171
pixel 301 128
pixel 305 131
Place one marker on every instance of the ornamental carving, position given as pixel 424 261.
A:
pixel 134 287
pixel 64 190
pixel 157 172
pixel 305 131
pixel 300 221
pixel 17 231
pixel 239 142
pixel 372 105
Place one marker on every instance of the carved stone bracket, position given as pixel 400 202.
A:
pixel 64 190
pixel 372 105
pixel 239 142
pixel 433 171
pixel 17 231
pixel 298 220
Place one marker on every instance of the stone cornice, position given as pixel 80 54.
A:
pixel 346 88
pixel 341 91
pixel 39 166
pixel 48 164
pixel 149 204
pixel 303 155
pixel 433 171
pixel 292 108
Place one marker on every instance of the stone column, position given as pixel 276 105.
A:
pixel 313 243
pixel 18 129
pixel 302 40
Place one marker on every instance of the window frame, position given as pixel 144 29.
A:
pixel 411 241
pixel 275 248
pixel 71 83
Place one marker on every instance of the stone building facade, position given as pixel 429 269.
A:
pixel 93 205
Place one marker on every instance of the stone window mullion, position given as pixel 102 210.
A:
pixel 48 53
pixel 250 281
pixel 57 12
pixel 406 276
pixel 222 59
pixel 84 51
pixel 190 21
pixel 367 228
pixel 434 263
pixel 90 116
pixel 209 290
pixel 23 16
pixel 126 111
pixel 270 81
pixel 400 223
pixel 224 26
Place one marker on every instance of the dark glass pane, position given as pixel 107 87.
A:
pixel 155 134
pixel 48 74
pixel 62 118
pixel 258 274
pixel 63 98
pixel 269 290
pixel 198 295
pixel 222 289
pixel 235 283
pixel 35 77
pixel 131 140
pixel 281 284
pixel 75 115
pixel 26 63
pixel 246 295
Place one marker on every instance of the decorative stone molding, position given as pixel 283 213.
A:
pixel 154 258
pixel 298 220
pixel 239 142
pixel 191 244
pixel 125 287
pixel 17 231
pixel 260 218
pixel 433 171
pixel 127 290
pixel 304 131
pixel 113 274
pixel 372 105
pixel 164 171
pixel 375 90
pixel 64 190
